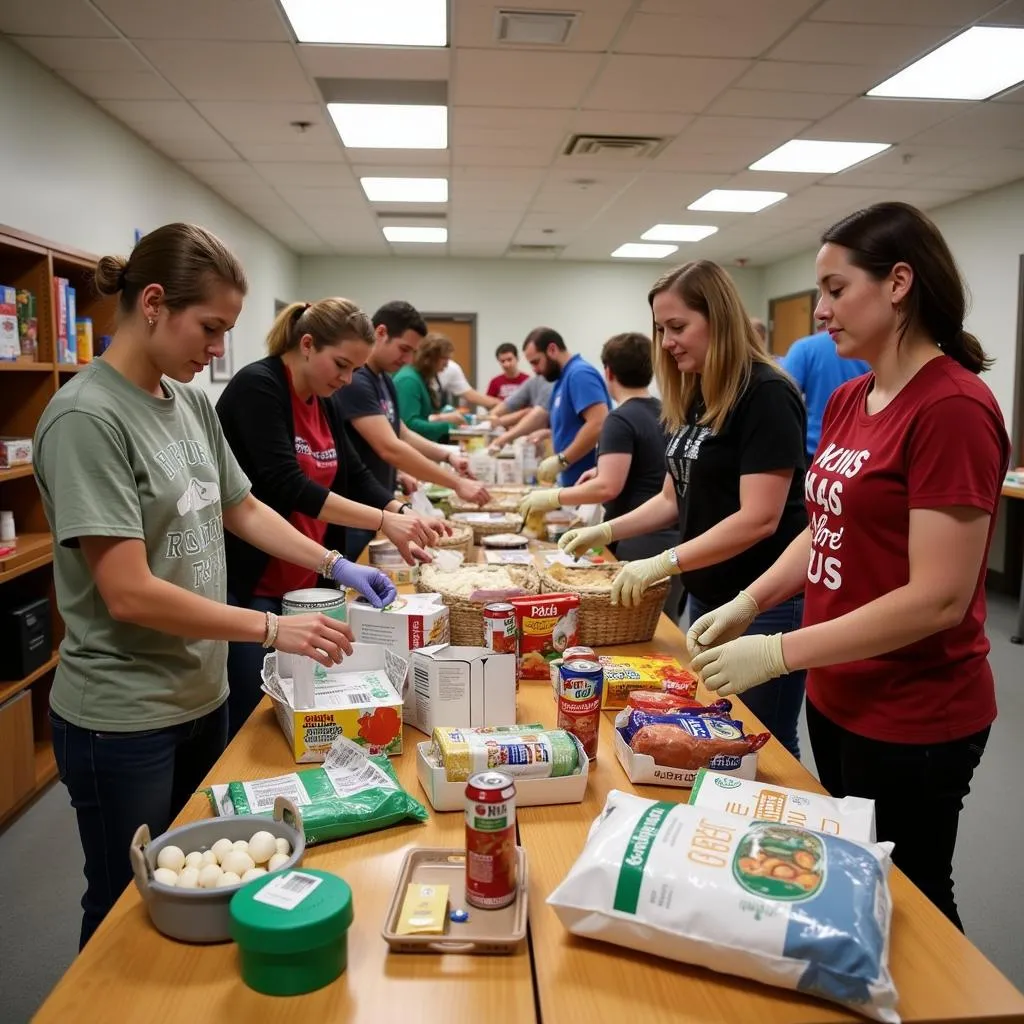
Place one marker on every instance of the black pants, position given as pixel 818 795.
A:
pixel 918 789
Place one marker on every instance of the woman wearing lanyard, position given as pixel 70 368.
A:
pixel 735 467
pixel 294 449
pixel 902 497
pixel 139 487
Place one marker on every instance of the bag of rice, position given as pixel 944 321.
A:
pixel 353 792
pixel 774 903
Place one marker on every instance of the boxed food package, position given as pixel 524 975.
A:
pixel 10 342
pixel 508 470
pixel 778 905
pixel 15 451
pixel 360 699
pixel 60 305
pixel 72 302
pixel 83 337
pixel 852 817
pixel 625 674
pixel 28 323
pixel 459 686
pixel 409 622
pixel 547 625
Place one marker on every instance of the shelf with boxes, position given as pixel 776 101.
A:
pixel 46 294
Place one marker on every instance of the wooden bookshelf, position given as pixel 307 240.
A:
pixel 26 386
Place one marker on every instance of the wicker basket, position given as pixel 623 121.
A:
pixel 503 499
pixel 466 617
pixel 460 540
pixel 508 523
pixel 602 623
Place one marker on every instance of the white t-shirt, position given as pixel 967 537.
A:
pixel 453 380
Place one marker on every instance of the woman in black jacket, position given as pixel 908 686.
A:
pixel 295 451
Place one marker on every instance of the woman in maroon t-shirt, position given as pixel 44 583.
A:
pixel 901 499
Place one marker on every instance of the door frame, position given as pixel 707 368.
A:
pixel 462 318
pixel 808 293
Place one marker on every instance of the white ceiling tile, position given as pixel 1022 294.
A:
pixel 910 159
pixel 1011 13
pixel 985 124
pixel 932 198
pixel 197 19
pixel 613 122
pixel 826 200
pixel 71 18
pixel 870 119
pixel 323 198
pixel 411 158
pixel 792 76
pixel 599 21
pixel 487 175
pixel 82 54
pixel 297 149
pixel 893 45
pixel 476 250
pixel 683 85
pixel 514 157
pixel 767 129
pixel 220 70
pixel 407 64
pixel 774 181
pixel 952 13
pixel 522 78
pixel 508 127
pixel 310 175
pixel 120 85
pixel 160 117
pixel 179 148
pixel 768 103
pixel 221 172
pixel 268 123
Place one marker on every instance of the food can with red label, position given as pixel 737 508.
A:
pixel 490 840
pixel 500 628
pixel 580 687
pixel 579 654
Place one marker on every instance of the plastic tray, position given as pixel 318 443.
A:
pixel 487 932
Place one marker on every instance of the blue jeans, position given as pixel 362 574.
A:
pixel 777 703
pixel 121 780
pixel 245 667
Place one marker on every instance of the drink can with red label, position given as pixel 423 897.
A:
pixel 490 840
pixel 500 628
pixel 579 654
pixel 580 687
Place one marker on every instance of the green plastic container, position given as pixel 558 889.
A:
pixel 285 952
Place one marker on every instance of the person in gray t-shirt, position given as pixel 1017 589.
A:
pixel 138 486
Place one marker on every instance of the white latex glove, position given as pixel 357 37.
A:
pixel 540 501
pixel 635 577
pixel 722 624
pixel 579 542
pixel 548 470
pixel 741 664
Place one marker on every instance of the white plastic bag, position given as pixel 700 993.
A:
pixel 781 905
pixel 422 504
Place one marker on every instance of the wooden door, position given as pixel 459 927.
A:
pixel 461 328
pixel 789 319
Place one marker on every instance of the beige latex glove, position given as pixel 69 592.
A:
pixel 540 501
pixel 635 577
pixel 579 542
pixel 722 624
pixel 548 470
pixel 741 664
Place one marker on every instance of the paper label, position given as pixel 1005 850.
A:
pixel 288 891
pixel 261 794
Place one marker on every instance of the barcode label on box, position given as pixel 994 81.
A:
pixel 261 794
pixel 420 680
pixel 288 891
pixel 356 697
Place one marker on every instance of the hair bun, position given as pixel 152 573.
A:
pixel 109 274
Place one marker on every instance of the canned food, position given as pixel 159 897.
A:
pixel 580 687
pixel 579 654
pixel 500 628
pixel 490 841
pixel 316 599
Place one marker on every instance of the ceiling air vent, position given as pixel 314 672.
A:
pixel 623 147
pixel 534 28
pixel 535 251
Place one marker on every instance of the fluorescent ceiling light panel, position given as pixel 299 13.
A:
pixel 974 65
pixel 640 251
pixel 678 232
pixel 390 126
pixel 369 22
pixel 400 233
pixel 405 190
pixel 736 200
pixel 809 156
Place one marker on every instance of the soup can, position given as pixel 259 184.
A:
pixel 500 628
pixel 579 654
pixel 580 687
pixel 315 599
pixel 490 840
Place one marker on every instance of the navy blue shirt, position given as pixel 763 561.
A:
pixel 578 388
pixel 369 394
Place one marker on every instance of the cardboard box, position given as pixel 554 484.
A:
pixel 360 699
pixel 643 768
pixel 10 343
pixel 413 620
pixel 508 470
pixel 15 451
pixel 460 686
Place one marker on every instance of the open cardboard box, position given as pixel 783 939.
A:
pixel 360 699
pixel 643 768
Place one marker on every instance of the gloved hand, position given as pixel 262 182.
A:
pixel 722 624
pixel 548 470
pixel 539 501
pixel 741 664
pixel 370 582
pixel 580 541
pixel 635 577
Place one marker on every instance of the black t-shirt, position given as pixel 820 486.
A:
pixel 764 432
pixel 633 428
pixel 369 394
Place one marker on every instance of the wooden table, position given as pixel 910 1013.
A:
pixel 133 973
pixel 1016 492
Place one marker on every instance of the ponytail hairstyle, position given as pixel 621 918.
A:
pixel 889 233
pixel 184 259
pixel 328 322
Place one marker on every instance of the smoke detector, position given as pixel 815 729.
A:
pixel 534 28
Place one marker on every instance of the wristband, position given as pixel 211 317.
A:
pixel 563 461
pixel 402 508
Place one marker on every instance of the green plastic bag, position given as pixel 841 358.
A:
pixel 353 792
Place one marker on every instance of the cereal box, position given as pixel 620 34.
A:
pixel 546 625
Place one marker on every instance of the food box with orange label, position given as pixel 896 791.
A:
pixel 623 675
pixel 360 699
pixel 546 626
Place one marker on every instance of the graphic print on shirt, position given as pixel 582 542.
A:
pixel 303 447
pixel 823 492
pixel 682 452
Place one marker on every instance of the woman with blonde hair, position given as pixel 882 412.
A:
pixel 420 397
pixel 735 460
pixel 293 447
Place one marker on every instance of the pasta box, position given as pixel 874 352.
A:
pixel 360 699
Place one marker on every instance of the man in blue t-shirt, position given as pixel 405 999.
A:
pixel 818 369
pixel 578 406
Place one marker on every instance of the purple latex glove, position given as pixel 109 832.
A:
pixel 371 583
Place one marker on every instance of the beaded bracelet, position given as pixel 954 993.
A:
pixel 328 562
pixel 271 635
